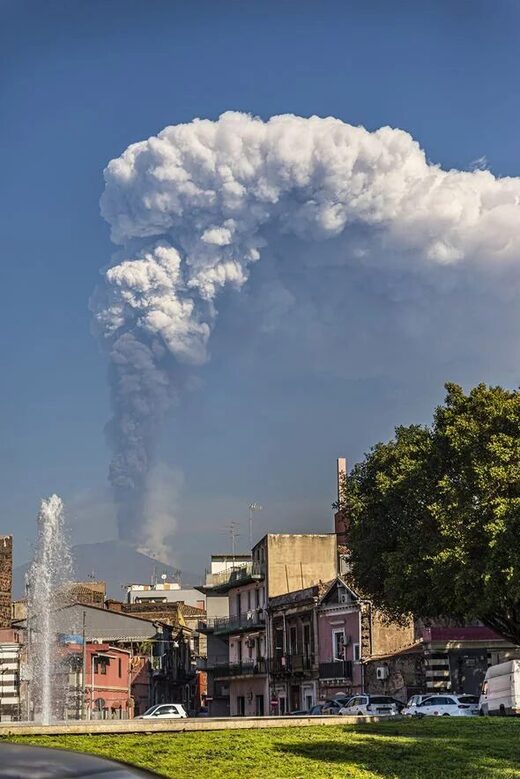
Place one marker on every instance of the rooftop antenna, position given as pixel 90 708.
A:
pixel 252 508
pixel 233 533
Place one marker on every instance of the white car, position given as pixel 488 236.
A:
pixel 411 707
pixel 447 706
pixel 165 711
pixel 375 705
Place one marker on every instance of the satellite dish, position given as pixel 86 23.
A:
pixel 164 576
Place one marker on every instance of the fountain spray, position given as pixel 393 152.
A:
pixel 50 572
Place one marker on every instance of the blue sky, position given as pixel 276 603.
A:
pixel 79 82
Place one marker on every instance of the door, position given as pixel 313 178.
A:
pixel 468 670
pixel 259 705
pixel 295 697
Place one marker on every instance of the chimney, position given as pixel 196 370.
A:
pixel 341 472
pixel 6 580
pixel 340 518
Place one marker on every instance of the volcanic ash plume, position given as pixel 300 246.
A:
pixel 192 208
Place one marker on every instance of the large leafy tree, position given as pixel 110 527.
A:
pixel 434 514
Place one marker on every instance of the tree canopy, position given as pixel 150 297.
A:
pixel 434 514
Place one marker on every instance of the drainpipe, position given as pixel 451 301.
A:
pixel 84 669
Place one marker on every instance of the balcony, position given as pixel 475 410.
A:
pixel 232 577
pixel 238 623
pixel 340 669
pixel 244 668
pixel 292 665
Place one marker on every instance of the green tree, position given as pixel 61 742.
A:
pixel 434 514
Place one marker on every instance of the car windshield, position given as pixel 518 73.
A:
pixel 150 710
pixel 468 698
pixel 380 699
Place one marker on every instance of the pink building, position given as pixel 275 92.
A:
pixel 107 680
pixel 339 632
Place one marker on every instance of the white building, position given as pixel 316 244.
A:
pixel 10 650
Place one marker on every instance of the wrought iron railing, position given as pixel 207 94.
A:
pixel 339 669
pixel 235 575
pixel 292 664
pixel 243 668
pixel 251 619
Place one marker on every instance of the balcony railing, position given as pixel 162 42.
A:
pixel 340 669
pixel 292 664
pixel 236 623
pixel 244 668
pixel 235 575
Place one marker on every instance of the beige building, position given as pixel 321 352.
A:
pixel 282 563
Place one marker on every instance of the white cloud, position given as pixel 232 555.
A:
pixel 195 207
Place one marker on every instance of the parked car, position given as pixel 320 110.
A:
pixel 334 705
pixel 411 707
pixel 365 705
pixel 165 711
pixel 501 689
pixel 448 706
pixel 317 709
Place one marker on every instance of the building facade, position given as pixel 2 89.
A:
pixel 10 657
pixel 294 655
pixel 6 580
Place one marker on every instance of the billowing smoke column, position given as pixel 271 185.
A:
pixel 192 209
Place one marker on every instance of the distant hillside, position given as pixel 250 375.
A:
pixel 114 562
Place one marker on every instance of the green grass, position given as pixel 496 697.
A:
pixel 426 749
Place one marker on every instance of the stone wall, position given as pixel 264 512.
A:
pixel 406 675
pixel 6 580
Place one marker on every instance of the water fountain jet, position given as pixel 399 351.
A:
pixel 48 577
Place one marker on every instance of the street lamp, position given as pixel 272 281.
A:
pixel 252 508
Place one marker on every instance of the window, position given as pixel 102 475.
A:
pixel 357 653
pixel 294 640
pixel 239 605
pixel 278 641
pixel 119 667
pixel 307 640
pixel 257 595
pixel 249 600
pixel 338 644
pixel 100 665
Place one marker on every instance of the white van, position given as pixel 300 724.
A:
pixel 501 689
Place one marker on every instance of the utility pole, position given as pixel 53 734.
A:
pixel 252 508
pixel 84 667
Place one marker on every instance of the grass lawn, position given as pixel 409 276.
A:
pixel 427 749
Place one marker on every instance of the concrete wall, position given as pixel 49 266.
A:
pixel 249 689
pixel 248 598
pixel 248 654
pixel 217 606
pixel 297 561
pixel 388 637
